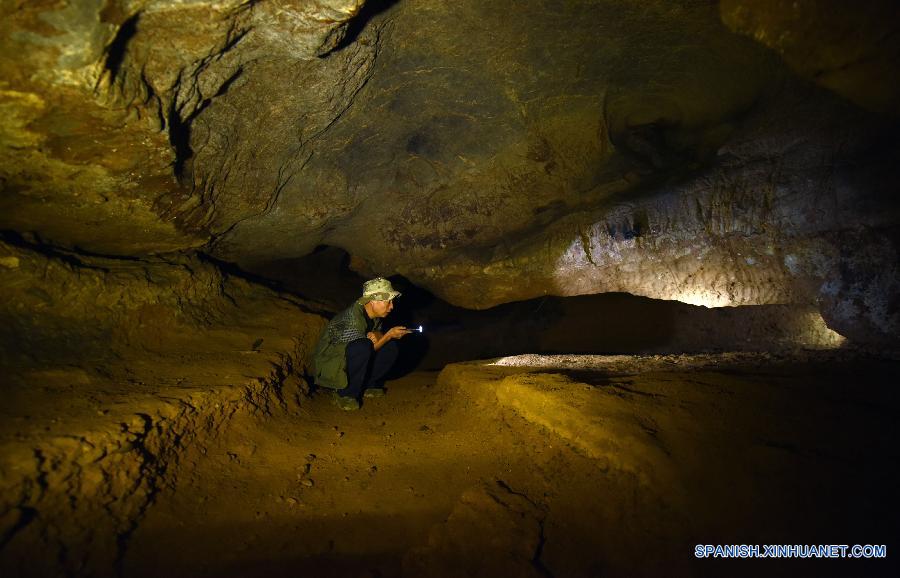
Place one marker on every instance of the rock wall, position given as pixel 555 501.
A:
pixel 796 211
pixel 117 373
pixel 490 152
pixel 852 52
pixel 713 154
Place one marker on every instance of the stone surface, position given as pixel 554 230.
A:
pixel 491 531
pixel 758 444
pixel 490 152
pixel 162 161
pixel 854 52
pixel 114 372
pixel 467 138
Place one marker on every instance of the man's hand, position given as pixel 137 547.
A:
pixel 397 332
pixel 378 338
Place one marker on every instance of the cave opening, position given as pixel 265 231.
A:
pixel 652 247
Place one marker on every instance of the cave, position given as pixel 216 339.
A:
pixel 652 248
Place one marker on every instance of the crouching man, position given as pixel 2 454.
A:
pixel 353 354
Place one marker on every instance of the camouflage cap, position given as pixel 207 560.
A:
pixel 378 289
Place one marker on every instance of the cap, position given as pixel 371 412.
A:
pixel 378 289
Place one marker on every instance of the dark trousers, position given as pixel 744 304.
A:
pixel 366 367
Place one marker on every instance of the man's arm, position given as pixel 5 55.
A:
pixel 379 339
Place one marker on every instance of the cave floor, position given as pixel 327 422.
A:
pixel 545 467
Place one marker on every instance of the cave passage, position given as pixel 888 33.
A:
pixel 654 248
pixel 612 323
pixel 572 436
pixel 544 466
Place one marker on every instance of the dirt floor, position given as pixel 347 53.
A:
pixel 581 466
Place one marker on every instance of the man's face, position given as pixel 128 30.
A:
pixel 382 308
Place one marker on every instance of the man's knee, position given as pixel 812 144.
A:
pixel 388 353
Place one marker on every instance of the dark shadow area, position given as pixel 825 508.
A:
pixel 355 27
pixel 595 378
pixel 412 312
pixel 229 268
pixel 34 243
pixel 324 276
pixel 180 139
pixel 115 53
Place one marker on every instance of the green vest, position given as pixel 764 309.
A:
pixel 330 358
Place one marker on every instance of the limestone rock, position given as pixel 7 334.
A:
pixel 491 532
pixel 854 52
pixel 111 369
pixel 489 152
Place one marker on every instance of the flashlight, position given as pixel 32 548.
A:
pixel 419 329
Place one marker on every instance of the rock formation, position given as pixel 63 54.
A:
pixel 115 372
pixel 163 161
pixel 488 152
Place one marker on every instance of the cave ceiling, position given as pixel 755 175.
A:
pixel 489 151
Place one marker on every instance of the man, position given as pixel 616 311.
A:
pixel 353 355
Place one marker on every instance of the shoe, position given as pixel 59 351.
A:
pixel 374 392
pixel 345 403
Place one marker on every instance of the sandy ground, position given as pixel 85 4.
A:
pixel 604 467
